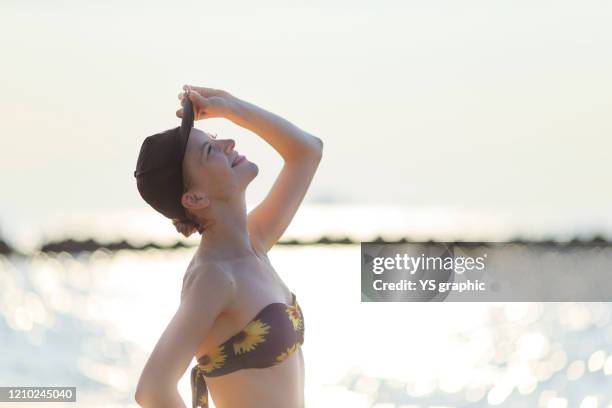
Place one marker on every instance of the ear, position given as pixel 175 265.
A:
pixel 195 200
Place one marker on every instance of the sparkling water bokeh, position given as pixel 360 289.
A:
pixel 91 320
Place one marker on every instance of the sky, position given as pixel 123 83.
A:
pixel 486 105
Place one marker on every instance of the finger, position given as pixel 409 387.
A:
pixel 198 104
pixel 197 99
pixel 206 92
pixel 179 113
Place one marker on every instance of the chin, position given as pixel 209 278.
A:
pixel 248 173
pixel 253 169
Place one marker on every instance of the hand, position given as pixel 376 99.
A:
pixel 207 102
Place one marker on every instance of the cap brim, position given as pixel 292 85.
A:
pixel 186 124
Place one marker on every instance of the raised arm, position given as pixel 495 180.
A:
pixel 300 151
pixel 206 293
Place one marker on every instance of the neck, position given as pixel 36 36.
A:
pixel 228 235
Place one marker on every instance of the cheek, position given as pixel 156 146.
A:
pixel 224 178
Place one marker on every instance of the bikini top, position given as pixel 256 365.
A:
pixel 268 339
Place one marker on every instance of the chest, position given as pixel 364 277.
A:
pixel 257 285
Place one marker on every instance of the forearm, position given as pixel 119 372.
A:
pixel 288 140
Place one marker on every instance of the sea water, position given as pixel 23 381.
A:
pixel 91 320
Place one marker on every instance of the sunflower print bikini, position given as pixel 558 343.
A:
pixel 268 339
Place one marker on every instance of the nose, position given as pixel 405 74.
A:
pixel 229 145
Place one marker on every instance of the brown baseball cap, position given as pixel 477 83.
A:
pixel 159 169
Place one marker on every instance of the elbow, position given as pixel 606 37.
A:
pixel 148 396
pixel 318 149
pixel 320 145
pixel 140 398
pixel 143 397
pixel 310 151
pixel 148 399
pixel 158 398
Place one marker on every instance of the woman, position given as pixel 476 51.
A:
pixel 236 316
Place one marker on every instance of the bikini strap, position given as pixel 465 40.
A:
pixel 199 390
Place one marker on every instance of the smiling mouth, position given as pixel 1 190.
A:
pixel 239 159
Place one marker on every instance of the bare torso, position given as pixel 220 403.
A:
pixel 279 386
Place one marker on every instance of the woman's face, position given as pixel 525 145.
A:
pixel 215 168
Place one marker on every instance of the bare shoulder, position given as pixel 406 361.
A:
pixel 207 281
